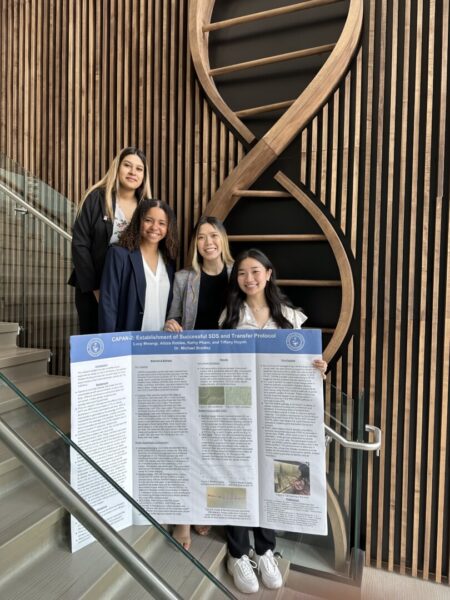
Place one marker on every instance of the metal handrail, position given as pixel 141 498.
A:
pixel 366 446
pixel 219 585
pixel 98 527
pixel 35 212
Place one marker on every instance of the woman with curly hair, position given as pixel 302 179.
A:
pixel 103 213
pixel 137 280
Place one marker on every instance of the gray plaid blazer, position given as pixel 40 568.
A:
pixel 186 288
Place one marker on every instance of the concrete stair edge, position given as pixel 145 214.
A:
pixel 36 389
pixel 8 334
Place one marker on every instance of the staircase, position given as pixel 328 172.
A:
pixel 35 558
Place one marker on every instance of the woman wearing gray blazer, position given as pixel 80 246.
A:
pixel 199 296
pixel 199 293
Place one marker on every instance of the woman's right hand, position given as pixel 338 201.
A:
pixel 172 326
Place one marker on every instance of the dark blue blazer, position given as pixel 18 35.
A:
pixel 122 290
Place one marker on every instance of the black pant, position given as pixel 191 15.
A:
pixel 239 541
pixel 87 309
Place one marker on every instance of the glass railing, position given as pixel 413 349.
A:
pixel 44 425
pixel 35 263
pixel 91 567
pixel 334 554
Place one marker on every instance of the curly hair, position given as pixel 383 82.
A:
pixel 131 236
pixel 236 297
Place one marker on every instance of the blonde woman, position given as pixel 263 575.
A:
pixel 199 296
pixel 200 293
pixel 104 212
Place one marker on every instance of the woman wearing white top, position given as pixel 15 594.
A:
pixel 137 280
pixel 103 213
pixel 256 302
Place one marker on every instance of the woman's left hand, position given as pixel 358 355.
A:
pixel 322 365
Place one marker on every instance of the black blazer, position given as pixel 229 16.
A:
pixel 122 290
pixel 92 231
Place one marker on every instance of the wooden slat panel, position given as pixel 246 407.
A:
pixel 415 268
pixel 395 167
pixel 378 301
pixel 441 457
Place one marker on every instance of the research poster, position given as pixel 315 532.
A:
pixel 205 427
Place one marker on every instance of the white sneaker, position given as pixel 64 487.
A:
pixel 270 573
pixel 241 569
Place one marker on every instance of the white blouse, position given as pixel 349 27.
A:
pixel 247 320
pixel 156 296
pixel 120 223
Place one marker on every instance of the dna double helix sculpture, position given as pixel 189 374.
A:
pixel 263 172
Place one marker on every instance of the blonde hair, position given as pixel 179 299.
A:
pixel 218 226
pixel 110 181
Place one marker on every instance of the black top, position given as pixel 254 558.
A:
pixel 211 299
pixel 92 231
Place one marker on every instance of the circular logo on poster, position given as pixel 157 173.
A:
pixel 95 347
pixel 295 342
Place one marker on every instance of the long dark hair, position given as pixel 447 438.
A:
pixel 236 297
pixel 131 236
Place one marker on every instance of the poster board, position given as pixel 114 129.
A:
pixel 205 427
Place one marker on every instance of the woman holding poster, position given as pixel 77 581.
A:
pixel 199 293
pixel 256 302
pixel 137 282
pixel 199 297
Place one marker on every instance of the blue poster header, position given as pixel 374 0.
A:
pixel 233 341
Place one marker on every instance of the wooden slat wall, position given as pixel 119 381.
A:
pixel 79 80
pixel 378 157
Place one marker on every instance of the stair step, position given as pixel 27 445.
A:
pixel 8 335
pixel 35 389
pixel 92 574
pixel 189 582
pixel 57 574
pixel 263 594
pixel 30 523
pixel 31 426
pixel 315 588
pixel 39 435
pixel 18 364
pixel 290 594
